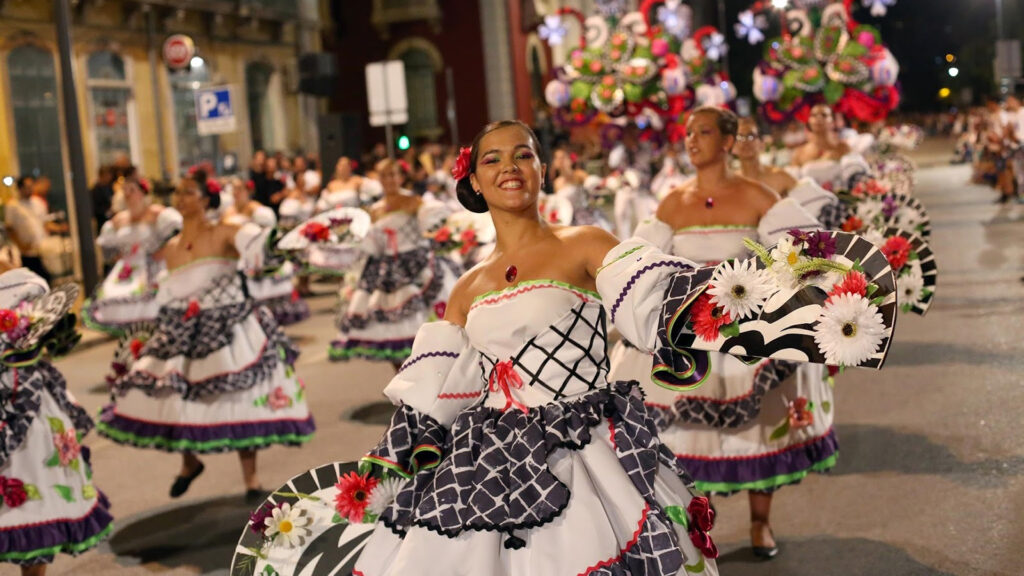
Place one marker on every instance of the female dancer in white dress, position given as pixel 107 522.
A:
pixel 348 190
pixel 402 282
pixel 826 158
pixel 217 373
pixel 724 433
pixel 127 296
pixel 49 502
pixel 819 202
pixel 276 290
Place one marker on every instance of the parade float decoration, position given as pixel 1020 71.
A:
pixel 649 66
pixel 822 55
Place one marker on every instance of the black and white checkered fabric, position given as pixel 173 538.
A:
pixel 220 308
pixel 567 359
pixel 832 215
pixel 732 414
pixel 19 405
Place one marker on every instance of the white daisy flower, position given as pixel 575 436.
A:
pixel 288 526
pixel 910 284
pixel 784 276
pixel 875 236
pixel 384 494
pixel 740 288
pixel 867 210
pixel 907 218
pixel 849 330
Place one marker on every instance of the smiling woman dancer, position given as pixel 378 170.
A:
pixel 217 373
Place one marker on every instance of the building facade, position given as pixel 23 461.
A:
pixel 133 106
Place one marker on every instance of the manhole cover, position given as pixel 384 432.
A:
pixel 374 413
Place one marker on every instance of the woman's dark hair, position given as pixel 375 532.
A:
pixel 200 177
pixel 463 188
pixel 726 120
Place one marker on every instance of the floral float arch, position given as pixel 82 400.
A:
pixel 821 55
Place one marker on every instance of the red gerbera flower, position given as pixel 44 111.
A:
pixel 707 318
pixel 316 232
pixel 897 251
pixel 353 495
pixel 461 168
pixel 443 235
pixel 853 283
pixel 852 224
pixel 136 348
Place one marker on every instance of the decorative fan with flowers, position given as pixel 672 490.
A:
pixel 316 524
pixel 644 65
pixel 328 242
pixel 822 55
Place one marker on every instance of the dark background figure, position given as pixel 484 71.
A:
pixel 102 194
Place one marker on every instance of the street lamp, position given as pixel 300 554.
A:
pixel 954 72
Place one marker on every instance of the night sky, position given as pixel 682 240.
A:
pixel 919 33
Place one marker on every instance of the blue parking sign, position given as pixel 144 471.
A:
pixel 215 113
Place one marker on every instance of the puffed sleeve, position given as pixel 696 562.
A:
pixel 632 282
pixel 107 238
pixel 264 216
pixel 370 190
pixel 432 214
pixel 785 215
pixel 441 378
pixel 168 224
pixel 820 203
pixel 252 242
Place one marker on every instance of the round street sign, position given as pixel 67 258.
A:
pixel 178 51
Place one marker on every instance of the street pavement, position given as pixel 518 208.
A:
pixel 930 477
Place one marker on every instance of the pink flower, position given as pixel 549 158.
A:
pixel 462 167
pixel 126 272
pixel 67 446
pixel 353 495
pixel 799 415
pixel 278 400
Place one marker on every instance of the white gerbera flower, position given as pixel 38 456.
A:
pixel 867 210
pixel 849 330
pixel 910 284
pixel 907 218
pixel 288 526
pixel 784 276
pixel 740 288
pixel 384 494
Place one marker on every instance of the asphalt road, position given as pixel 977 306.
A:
pixel 931 470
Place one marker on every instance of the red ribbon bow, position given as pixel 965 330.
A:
pixel 392 235
pixel 504 377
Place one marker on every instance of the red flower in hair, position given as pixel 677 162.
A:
pixel 897 251
pixel 250 185
pixel 212 186
pixel 461 168
pixel 144 184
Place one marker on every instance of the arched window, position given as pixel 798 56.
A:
pixel 192 148
pixel 32 77
pixel 261 115
pixel 422 91
pixel 110 107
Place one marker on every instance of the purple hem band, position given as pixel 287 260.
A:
pixel 795 459
pixel 384 345
pixel 161 435
pixel 26 539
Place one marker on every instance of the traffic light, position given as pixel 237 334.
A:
pixel 403 142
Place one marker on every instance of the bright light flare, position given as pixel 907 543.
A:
pixel 780 4
pixel 944 93
pixel 954 72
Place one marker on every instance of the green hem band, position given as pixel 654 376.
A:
pixel 183 445
pixel 349 353
pixel 525 283
pixel 91 324
pixel 67 547
pixel 767 483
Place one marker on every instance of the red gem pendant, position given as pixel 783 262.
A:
pixel 510 274
pixel 709 203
